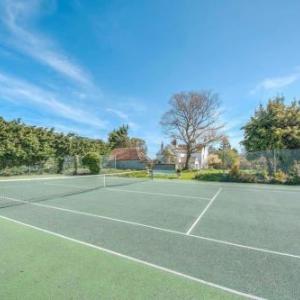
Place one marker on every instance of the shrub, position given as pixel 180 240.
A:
pixel 295 179
pixel 210 175
pixel 92 161
pixel 280 177
pixel 229 158
pixel 247 178
pixel 214 161
pixel 294 174
pixel 235 170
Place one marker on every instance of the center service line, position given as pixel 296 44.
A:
pixel 204 211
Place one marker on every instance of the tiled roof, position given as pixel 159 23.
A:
pixel 129 154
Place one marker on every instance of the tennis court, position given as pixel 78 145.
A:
pixel 238 240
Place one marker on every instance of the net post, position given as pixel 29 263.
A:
pixel 104 180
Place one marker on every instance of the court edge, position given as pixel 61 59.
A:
pixel 159 229
pixel 229 290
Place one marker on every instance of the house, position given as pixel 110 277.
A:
pixel 130 158
pixel 176 154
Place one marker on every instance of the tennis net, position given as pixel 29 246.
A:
pixel 22 191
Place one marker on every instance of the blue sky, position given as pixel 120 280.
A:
pixel 89 66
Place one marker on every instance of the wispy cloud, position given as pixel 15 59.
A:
pixel 17 16
pixel 276 83
pixel 123 116
pixel 118 113
pixel 20 91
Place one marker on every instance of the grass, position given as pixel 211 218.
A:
pixel 35 265
pixel 217 175
pixel 207 174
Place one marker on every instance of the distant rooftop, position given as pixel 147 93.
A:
pixel 129 154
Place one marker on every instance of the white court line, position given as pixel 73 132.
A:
pixel 143 262
pixel 158 194
pixel 204 211
pixel 65 177
pixel 49 178
pixel 159 229
pixel 256 190
pixel 231 185
pixel 77 212
pixel 244 246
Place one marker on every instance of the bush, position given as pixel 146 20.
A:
pixel 294 179
pixel 235 170
pixel 92 161
pixel 214 161
pixel 280 177
pixel 265 175
pixel 247 178
pixel 211 175
pixel 229 158
pixel 294 174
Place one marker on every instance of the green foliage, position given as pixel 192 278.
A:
pixel 224 157
pixel 119 138
pixel 229 157
pixel 211 175
pixel 275 126
pixel 294 173
pixel 234 175
pixel 23 145
pixel 235 170
pixel 92 161
pixel 280 177
pixel 225 144
pixel 214 161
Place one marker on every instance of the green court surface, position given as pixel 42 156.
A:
pixel 154 239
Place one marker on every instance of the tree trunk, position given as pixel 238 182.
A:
pixel 270 166
pixel 188 156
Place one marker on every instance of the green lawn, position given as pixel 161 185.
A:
pixel 207 174
pixel 36 265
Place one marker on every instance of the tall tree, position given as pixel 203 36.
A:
pixel 192 119
pixel 118 138
pixel 276 126
pixel 224 144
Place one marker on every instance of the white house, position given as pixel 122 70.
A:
pixel 176 154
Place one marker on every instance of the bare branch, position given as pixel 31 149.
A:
pixel 193 119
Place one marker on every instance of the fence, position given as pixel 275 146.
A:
pixel 271 165
pixel 67 165
pixel 164 167
pixel 271 161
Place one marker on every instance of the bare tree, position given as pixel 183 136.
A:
pixel 193 120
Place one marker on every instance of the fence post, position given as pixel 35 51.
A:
pixel 274 161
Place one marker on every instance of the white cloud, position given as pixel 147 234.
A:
pixel 123 116
pixel 19 91
pixel 118 113
pixel 276 83
pixel 17 15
